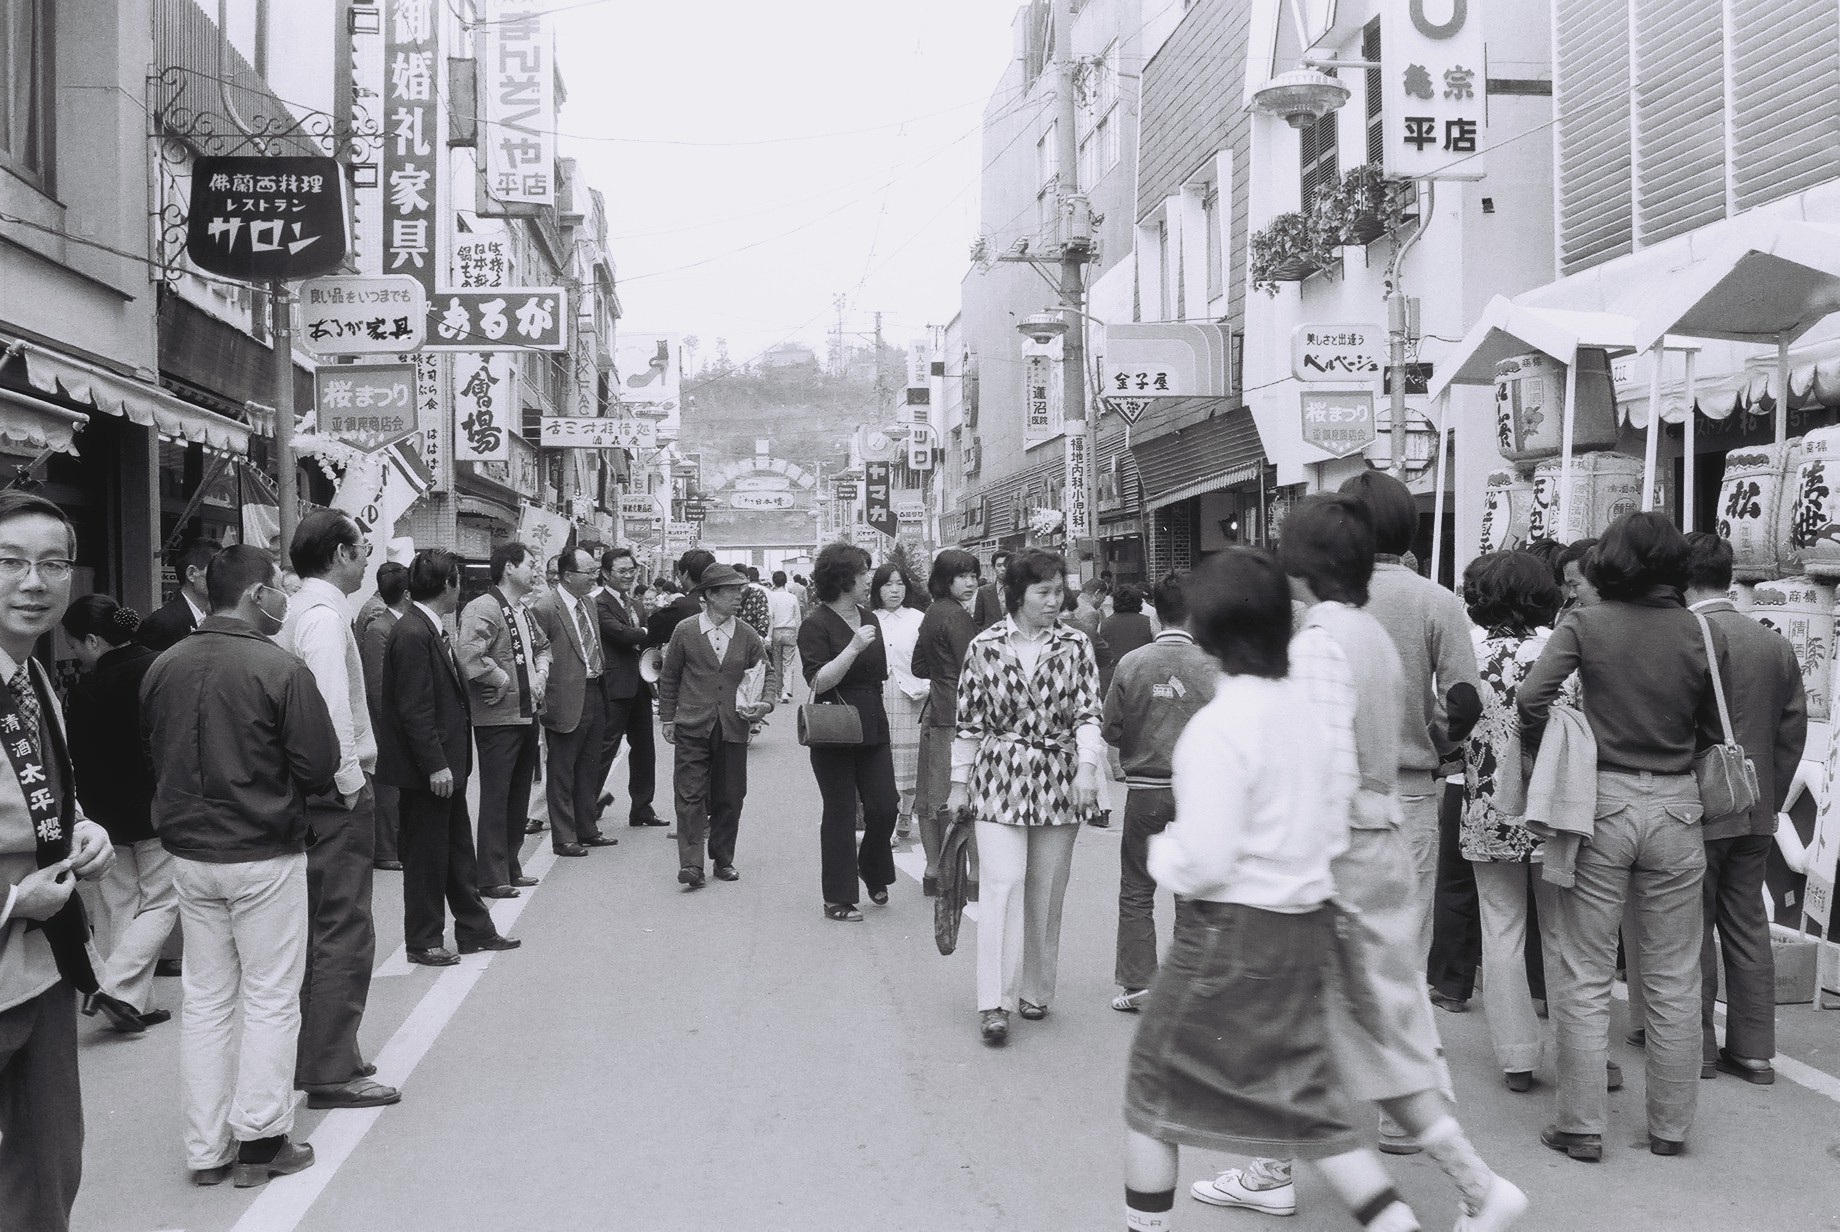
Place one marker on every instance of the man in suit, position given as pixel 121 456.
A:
pixel 506 662
pixel 703 668
pixel 629 698
pixel 989 608
pixel 425 750
pixel 165 627
pixel 372 628
pixel 574 707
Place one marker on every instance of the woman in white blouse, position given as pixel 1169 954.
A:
pixel 897 610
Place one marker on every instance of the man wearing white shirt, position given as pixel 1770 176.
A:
pixel 784 611
pixel 330 554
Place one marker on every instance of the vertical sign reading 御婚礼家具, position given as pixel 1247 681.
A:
pixel 1433 88
pixel 517 84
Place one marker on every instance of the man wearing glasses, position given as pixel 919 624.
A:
pixel 629 697
pixel 330 554
pixel 574 707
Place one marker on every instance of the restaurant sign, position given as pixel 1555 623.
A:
pixel 261 219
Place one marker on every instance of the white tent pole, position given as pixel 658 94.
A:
pixel 1688 455
pixel 1782 388
pixel 1437 492
pixel 1655 357
pixel 1568 421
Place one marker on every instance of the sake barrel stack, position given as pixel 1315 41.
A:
pixel 1742 595
pixel 1802 610
pixel 1507 511
pixel 1605 486
pixel 1749 500
pixel 1530 406
pixel 1811 532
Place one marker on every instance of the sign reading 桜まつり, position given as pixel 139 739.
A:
pixel 1338 422
pixel 369 405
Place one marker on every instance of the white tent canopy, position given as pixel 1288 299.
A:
pixel 1761 278
pixel 1507 329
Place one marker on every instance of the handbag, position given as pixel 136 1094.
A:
pixel 1727 778
pixel 832 724
pixel 955 885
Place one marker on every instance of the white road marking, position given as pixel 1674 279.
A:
pixel 1799 1072
pixel 913 863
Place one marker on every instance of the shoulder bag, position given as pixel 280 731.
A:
pixel 1727 779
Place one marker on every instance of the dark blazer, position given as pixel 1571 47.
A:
pixel 939 655
pixel 665 620
pixel 427 725
pixel 822 637
pixel 1769 714
pixel 988 608
pixel 623 636
pixel 373 627
pixel 103 722
pixel 163 629
pixel 695 692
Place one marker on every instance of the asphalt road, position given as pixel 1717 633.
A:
pixel 728 1059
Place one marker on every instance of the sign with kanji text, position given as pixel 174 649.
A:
pixel 264 219
pixel 878 510
pixel 482 261
pixel 375 315
pixel 517 100
pixel 640 506
pixel 369 405
pixel 485 407
pixel 499 319
pixel 846 491
pixel 1338 352
pixel 574 432
pixel 542 531
pixel 1073 487
pixel 762 500
pixel 413 142
pixel 1338 422
pixel 1039 379
pixel 1432 89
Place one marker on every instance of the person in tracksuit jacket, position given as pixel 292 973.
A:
pixel 1155 690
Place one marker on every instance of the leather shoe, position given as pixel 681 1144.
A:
pixel 387 866
pixel 291 1158
pixel 121 1015
pixel 490 943
pixel 1751 1069
pixel 153 1018
pixel 648 821
pixel 437 957
pixel 1665 1146
pixel 526 882
pixel 499 891
pixel 993 1025
pixel 1586 1147
pixel 358 1093
pixel 691 878
pixel 211 1176
pixel 726 872
pixel 600 840
pixel 570 849
pixel 533 826
pixel 600 805
pixel 1448 1003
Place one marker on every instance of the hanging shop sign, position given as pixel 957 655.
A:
pixel 481 261
pixel 877 484
pixel 484 404
pixel 543 531
pixel 575 432
pixel 408 172
pixel 1073 487
pixel 499 319
pixel 1338 352
pixel 695 513
pixel 362 315
pixel 650 371
pixel 1432 88
pixel 681 536
pixel 1164 359
pixel 267 219
pixel 1130 409
pixel 517 89
pixel 761 500
pixel 919 448
pixel 641 506
pixel 1040 376
pixel 845 491
pixel 908 513
pixel 368 405
pixel 1338 422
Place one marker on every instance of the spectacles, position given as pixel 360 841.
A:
pixel 362 547
pixel 14 568
pixel 578 573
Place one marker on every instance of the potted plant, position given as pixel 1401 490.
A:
pixel 1367 205
pixel 1290 248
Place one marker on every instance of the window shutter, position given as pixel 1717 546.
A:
pixel 1595 213
pixel 1786 94
pixel 1680 121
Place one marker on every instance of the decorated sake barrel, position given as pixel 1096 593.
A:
pixel 1507 511
pixel 1748 508
pixel 1530 406
pixel 1802 610
pixel 1812 541
pixel 1605 486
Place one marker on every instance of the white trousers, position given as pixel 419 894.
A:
pixel 245 954
pixel 142 908
pixel 1501 893
pixel 1418 825
pixel 1022 881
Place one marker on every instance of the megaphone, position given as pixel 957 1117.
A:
pixel 651 663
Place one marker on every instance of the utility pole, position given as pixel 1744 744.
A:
pixel 881 399
pixel 281 304
pixel 841 364
pixel 1076 251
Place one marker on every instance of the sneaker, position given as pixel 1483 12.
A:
pixel 1247 1189
pixel 1505 1204
pixel 1394 1140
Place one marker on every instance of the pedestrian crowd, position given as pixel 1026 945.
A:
pixel 1366 793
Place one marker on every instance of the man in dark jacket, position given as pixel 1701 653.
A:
pixel 628 696
pixel 239 737
pixel 372 627
pixel 989 609
pixel 164 628
pixel 1769 715
pixel 425 750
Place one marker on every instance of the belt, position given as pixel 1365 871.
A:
pixel 1044 746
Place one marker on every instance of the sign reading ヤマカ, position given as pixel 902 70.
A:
pixel 362 315
pixel 267 219
pixel 367 405
pixel 878 511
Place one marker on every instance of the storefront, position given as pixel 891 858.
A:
pixel 1205 488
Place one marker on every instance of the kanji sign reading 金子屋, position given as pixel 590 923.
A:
pixel 878 510
pixel 574 432
pixel 412 145
pixel 1038 377
pixel 1338 352
pixel 1338 422
pixel 262 219
pixel 499 319
pixel 363 315
pixel 1432 88
pixel 483 408
pixel 369 405
pixel 517 96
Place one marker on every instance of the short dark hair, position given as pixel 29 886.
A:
pixel 753 574
pixel 1170 598
pixel 1128 599
pixel 195 555
pixel 692 563
pixel 948 567
pixel 910 592
pixel 233 571
pixel 1240 610
pixel 1547 549
pixel 1576 550
pixel 1025 569
pixel 1639 552
pixel 1709 565
pixel 101 615
pixel 15 503
pixel 317 541
pixel 1329 543
pixel 779 577
pixel 504 555
pixel 431 572
pixel 1391 508
pixel 999 558
pixel 617 553
pixel 1510 590
pixel 836 570
pixel 392 581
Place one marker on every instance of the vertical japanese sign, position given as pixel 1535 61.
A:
pixel 517 137
pixel 1432 89
pixel 485 405
pixel 1038 380
pixel 1073 488
pixel 409 176
pixel 878 509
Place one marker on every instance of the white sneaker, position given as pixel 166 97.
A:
pixel 1505 1204
pixel 1230 1189
pixel 1394 1140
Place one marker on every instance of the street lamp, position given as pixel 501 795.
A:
pixel 1302 96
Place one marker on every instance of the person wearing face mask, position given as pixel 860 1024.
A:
pixel 240 739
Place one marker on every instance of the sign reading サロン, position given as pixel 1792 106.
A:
pixel 264 219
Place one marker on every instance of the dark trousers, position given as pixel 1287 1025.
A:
pixel 439 866
pixel 709 781
pixel 1733 893
pixel 1147 812
pixel 507 763
pixel 1456 920
pixel 342 945
pixel 41 1112
pixel 846 777
pixel 630 719
pixel 385 808
pixel 574 785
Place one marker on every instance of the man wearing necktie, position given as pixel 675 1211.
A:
pixel 574 706
pixel 629 697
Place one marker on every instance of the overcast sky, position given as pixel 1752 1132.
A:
pixel 743 192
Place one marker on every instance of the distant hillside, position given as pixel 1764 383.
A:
pixel 806 413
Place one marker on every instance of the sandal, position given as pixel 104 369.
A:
pixel 843 913
pixel 1032 1012
pixel 879 896
pixel 1130 1000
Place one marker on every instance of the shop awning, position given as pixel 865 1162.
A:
pixel 137 401
pixel 1217 453
pixel 1506 329
pixel 32 425
pixel 1759 278
pixel 479 507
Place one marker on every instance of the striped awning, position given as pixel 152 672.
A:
pixel 63 376
pixel 1218 453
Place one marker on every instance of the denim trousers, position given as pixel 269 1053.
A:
pixel 1646 848
pixel 1147 813
pixel 1503 891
